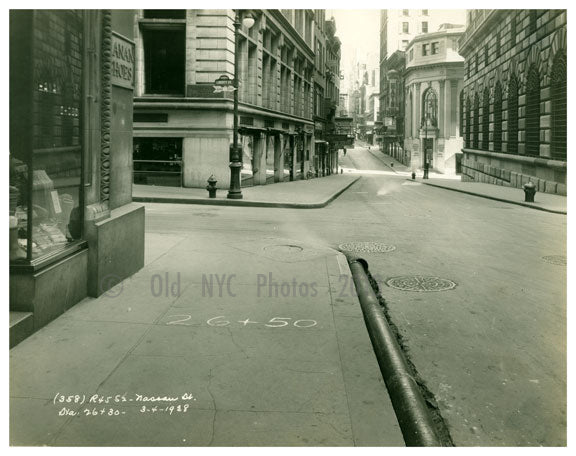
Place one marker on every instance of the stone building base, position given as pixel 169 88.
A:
pixel 549 176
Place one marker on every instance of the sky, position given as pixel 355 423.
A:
pixel 358 30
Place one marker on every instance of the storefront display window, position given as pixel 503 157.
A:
pixel 158 161
pixel 45 134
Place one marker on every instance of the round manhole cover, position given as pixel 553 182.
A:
pixel 283 249
pixel 555 259
pixel 420 283
pixel 367 247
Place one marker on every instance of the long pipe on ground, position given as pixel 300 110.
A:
pixel 413 416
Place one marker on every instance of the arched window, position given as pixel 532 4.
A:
pixel 475 142
pixel 461 123
pixel 468 122
pixel 512 144
pixel 430 109
pixel 497 134
pixel 558 93
pixel 533 112
pixel 486 119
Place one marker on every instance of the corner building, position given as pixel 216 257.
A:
pixel 74 230
pixel 433 79
pixel 514 99
pixel 183 127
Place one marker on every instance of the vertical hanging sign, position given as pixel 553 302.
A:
pixel 122 61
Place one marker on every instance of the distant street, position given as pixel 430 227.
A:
pixel 492 349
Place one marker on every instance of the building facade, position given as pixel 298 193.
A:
pixel 397 29
pixel 514 99
pixel 74 230
pixel 391 131
pixel 433 80
pixel 183 124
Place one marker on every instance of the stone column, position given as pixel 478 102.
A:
pixel 442 115
pixel 416 112
pixel 454 108
pixel 279 158
pixel 259 170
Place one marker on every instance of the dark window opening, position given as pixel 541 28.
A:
pixel 486 56
pixel 533 112
pixel 434 49
pixel 476 139
pixel 512 146
pixel 405 27
pixel 164 60
pixel 164 14
pixel 497 134
pixel 498 45
pixel 486 120
pixel 158 161
pixel 558 89
pixel 513 31
pixel 424 27
pixel 461 123
pixel 533 20
pixel 468 121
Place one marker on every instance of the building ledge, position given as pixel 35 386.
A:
pixel 541 161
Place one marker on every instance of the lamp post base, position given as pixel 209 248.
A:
pixel 235 191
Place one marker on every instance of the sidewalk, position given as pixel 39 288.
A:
pixel 543 201
pixel 302 194
pixel 196 349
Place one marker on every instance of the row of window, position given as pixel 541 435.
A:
pixel 406 12
pixel 477 132
pixel 423 27
pixel 484 52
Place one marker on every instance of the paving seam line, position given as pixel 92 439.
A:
pixel 382 160
pixel 226 202
pixel 414 417
pixel 495 198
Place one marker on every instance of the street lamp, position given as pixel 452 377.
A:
pixel 235 191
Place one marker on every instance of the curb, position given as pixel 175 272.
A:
pixel 227 202
pixel 415 420
pixel 495 198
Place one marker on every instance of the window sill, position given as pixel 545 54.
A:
pixel 28 267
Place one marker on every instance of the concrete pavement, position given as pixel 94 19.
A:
pixel 548 202
pixel 223 339
pixel 302 194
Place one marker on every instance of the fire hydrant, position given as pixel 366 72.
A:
pixel 413 175
pixel 211 187
pixel 529 191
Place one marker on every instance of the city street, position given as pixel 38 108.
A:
pixel 252 227
pixel 493 349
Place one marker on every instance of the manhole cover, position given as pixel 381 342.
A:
pixel 555 259
pixel 420 283
pixel 283 249
pixel 367 247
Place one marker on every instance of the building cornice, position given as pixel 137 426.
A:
pixel 291 31
pixel 472 36
pixel 212 104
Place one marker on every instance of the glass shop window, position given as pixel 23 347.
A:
pixel 46 71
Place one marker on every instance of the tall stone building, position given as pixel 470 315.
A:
pixel 514 99
pixel 183 125
pixel 397 29
pixel 74 230
pixel 433 80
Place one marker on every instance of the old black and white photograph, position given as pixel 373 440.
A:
pixel 235 227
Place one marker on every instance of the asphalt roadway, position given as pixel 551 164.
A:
pixel 492 349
